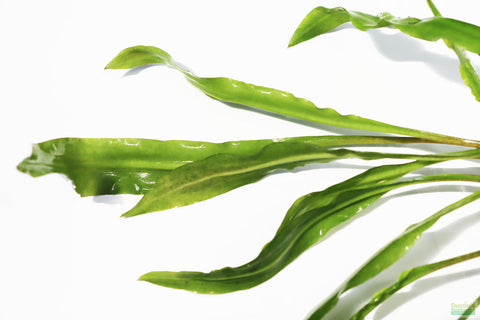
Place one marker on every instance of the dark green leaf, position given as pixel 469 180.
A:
pixel 306 223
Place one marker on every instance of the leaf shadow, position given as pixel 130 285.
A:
pixel 402 48
pixel 137 70
pixel 113 199
pixel 426 248
pixel 324 127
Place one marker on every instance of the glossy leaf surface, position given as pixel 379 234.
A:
pixel 388 255
pixel 278 253
pixel 114 166
pixel 408 277
pixel 221 173
pixel 308 220
pixel 321 20
pixel 268 99
pixel 456 34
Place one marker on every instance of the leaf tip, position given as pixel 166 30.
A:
pixel 138 56
pixel 293 42
pixel 21 166
pixel 157 278
pixel 127 214
pixel 144 277
pixel 138 209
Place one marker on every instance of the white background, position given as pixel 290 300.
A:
pixel 66 257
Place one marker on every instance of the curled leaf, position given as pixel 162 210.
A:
pixel 457 35
pixel 321 20
pixel 268 99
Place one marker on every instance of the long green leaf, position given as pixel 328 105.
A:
pixel 273 257
pixel 268 99
pixel 456 34
pixel 321 20
pixel 221 173
pixel 307 222
pixel 467 72
pixel 388 255
pixel 408 277
pixel 113 166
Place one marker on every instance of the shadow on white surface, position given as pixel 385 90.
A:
pixel 422 253
pixel 109 199
pixel 137 70
pixel 400 47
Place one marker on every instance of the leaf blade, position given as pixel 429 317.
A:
pixel 467 72
pixel 388 255
pixel 94 167
pixel 407 277
pixel 461 33
pixel 456 34
pixel 272 100
pixel 300 231
pixel 221 173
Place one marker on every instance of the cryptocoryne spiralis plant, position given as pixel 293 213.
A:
pixel 177 173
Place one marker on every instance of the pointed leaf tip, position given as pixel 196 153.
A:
pixel 138 56
pixel 143 277
pixel 130 213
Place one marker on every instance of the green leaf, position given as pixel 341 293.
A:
pixel 408 277
pixel 277 254
pixel 140 56
pixel 388 255
pixel 321 20
pixel 114 166
pixel 467 72
pixel 268 99
pixel 221 173
pixel 308 220
pixel 456 34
